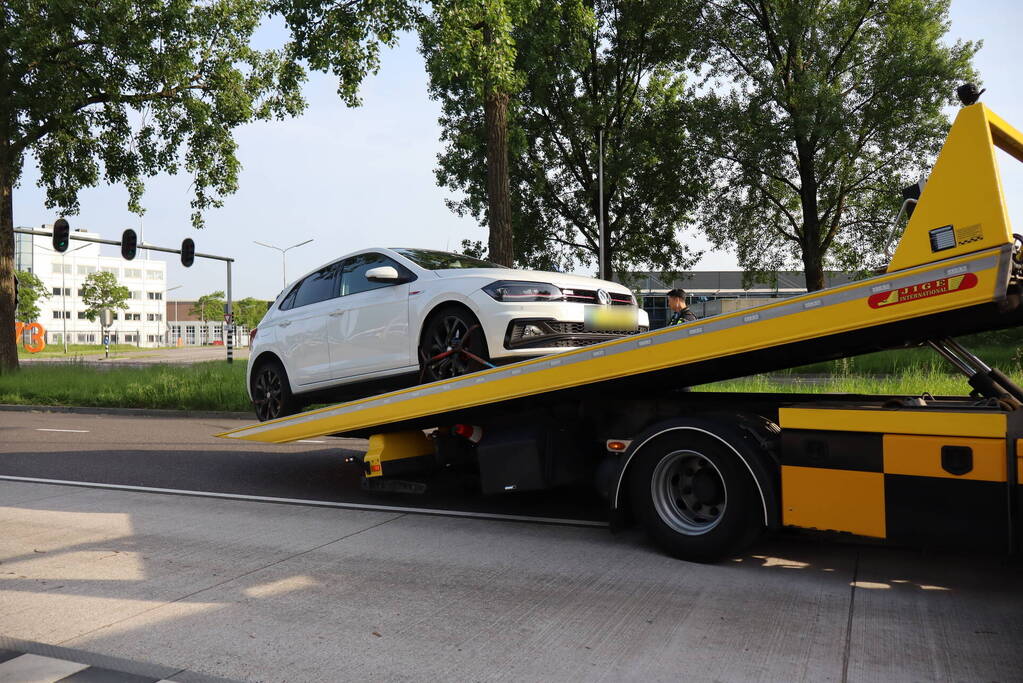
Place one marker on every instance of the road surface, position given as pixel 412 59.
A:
pixel 243 588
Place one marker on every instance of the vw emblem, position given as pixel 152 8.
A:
pixel 603 297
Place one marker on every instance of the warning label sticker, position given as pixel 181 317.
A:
pixel 924 290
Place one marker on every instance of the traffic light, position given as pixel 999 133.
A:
pixel 187 252
pixel 129 244
pixel 61 235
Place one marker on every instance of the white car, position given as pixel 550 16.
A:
pixel 380 319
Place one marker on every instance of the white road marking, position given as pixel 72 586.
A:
pixel 73 431
pixel 313 503
pixel 309 441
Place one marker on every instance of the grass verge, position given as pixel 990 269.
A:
pixel 200 386
pixel 911 382
pixel 219 386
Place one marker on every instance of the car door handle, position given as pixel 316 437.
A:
pixel 285 323
pixel 335 314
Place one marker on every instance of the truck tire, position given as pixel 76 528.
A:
pixel 694 497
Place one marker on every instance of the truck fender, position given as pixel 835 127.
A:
pixel 735 431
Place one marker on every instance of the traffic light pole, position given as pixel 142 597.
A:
pixel 167 250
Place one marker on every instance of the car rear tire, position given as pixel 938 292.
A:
pixel 693 497
pixel 271 392
pixel 446 331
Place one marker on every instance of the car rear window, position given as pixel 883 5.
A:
pixel 442 260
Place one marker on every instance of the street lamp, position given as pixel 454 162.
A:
pixel 63 288
pixel 284 268
pixel 168 290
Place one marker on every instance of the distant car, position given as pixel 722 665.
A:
pixel 380 319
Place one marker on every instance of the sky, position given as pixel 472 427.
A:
pixel 364 177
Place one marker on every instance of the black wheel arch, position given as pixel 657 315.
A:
pixel 751 438
pixel 446 305
pixel 262 359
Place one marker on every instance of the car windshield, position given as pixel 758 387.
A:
pixel 442 260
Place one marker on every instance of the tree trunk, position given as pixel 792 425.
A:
pixel 813 254
pixel 495 109
pixel 8 344
pixel 813 265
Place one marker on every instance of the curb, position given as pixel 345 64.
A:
pixel 130 412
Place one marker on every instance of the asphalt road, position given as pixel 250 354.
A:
pixel 182 454
pixel 248 590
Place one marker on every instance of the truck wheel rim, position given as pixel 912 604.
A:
pixel 688 492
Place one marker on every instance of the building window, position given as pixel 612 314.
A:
pixel 61 268
pixel 154 275
pixel 81 315
pixel 153 317
pixel 87 338
pixel 86 270
pixel 110 269
pixel 57 292
pixel 133 273
pixel 115 315
pixel 190 335
pixel 155 296
pixel 136 295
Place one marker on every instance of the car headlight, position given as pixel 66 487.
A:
pixel 513 291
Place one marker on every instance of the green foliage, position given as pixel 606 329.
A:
pixel 120 90
pixel 817 113
pixel 209 306
pixel 345 37
pixel 473 42
pixel 249 311
pixel 195 386
pixel 100 292
pixel 113 90
pixel 614 67
pixel 30 290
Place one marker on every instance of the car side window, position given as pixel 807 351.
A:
pixel 353 273
pixel 318 286
pixel 289 299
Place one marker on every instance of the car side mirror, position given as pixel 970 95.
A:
pixel 387 274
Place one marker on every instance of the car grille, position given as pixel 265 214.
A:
pixel 559 328
pixel 589 296
pixel 579 328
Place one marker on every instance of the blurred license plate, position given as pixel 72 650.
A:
pixel 610 319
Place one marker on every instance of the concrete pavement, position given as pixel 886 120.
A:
pixel 256 591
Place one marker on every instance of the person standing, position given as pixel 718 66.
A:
pixel 680 312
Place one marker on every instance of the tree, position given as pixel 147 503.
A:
pixel 471 43
pixel 249 311
pixel 101 292
pixel 614 68
pixel 209 306
pixel 822 112
pixel 470 39
pixel 114 91
pixel 30 290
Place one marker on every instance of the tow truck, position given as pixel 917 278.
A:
pixel 706 472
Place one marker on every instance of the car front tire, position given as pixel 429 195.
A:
pixel 446 331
